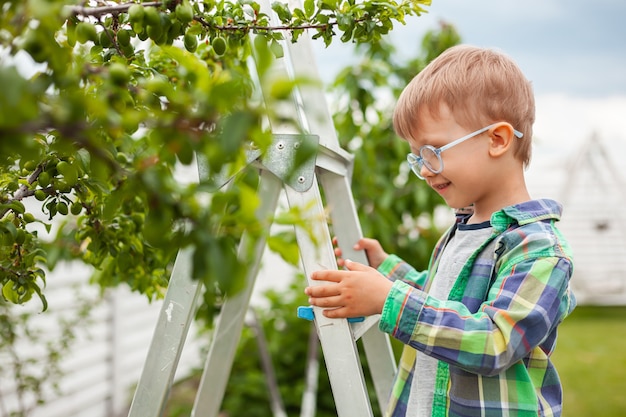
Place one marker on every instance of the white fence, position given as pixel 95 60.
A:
pixel 105 360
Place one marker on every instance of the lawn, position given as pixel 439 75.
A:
pixel 591 360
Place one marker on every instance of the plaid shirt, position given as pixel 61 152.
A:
pixel 495 333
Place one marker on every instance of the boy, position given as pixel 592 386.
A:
pixel 480 323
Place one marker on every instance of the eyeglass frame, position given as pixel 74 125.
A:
pixel 417 162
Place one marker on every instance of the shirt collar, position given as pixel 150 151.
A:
pixel 527 212
pixel 523 213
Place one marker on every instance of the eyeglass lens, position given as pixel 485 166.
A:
pixel 415 163
pixel 431 159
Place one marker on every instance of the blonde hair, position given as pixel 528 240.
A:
pixel 479 86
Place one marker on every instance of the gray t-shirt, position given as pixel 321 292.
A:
pixel 465 241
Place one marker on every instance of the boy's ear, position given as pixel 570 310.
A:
pixel 501 139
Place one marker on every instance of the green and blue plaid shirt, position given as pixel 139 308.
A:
pixel 495 333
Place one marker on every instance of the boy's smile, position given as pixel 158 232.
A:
pixel 457 162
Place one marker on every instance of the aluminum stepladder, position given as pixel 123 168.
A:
pixel 329 172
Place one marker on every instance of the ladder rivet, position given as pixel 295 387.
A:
pixel 301 180
pixel 280 145
pixel 296 145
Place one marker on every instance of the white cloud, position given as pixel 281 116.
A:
pixel 568 120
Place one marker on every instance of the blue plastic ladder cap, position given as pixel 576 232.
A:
pixel 356 319
pixel 307 314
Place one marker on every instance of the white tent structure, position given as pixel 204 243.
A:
pixel 591 186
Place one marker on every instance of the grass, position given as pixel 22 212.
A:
pixel 591 359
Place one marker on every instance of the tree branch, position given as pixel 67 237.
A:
pixel 24 191
pixel 98 12
pixel 104 10
pixel 226 28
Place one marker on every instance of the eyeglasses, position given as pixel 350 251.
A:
pixel 430 157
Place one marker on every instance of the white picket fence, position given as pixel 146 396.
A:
pixel 106 359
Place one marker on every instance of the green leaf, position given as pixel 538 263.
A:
pixel 307 150
pixel 263 56
pixel 234 131
pixel 44 302
pixel 282 11
pixel 286 246
pixel 112 205
pixel 9 293
pixel 16 206
pixel 329 4
pixel 9 228
pixel 309 8
pixel 194 29
pixel 18 101
pixel 277 49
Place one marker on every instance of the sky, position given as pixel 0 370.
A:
pixel 573 52
pixel 571 46
pixel 563 46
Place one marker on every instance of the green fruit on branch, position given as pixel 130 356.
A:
pixel 119 74
pixel 152 16
pixel 136 14
pixel 40 195
pixel 43 179
pixel 184 12
pixel 105 38
pixel 191 42
pixel 219 45
pixel 70 175
pixel 76 208
pixel 86 32
pixel 123 37
pixel 62 208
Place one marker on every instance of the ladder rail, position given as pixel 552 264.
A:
pixel 376 345
pixel 231 319
pixel 175 317
pixel 308 406
pixel 276 399
pixel 339 347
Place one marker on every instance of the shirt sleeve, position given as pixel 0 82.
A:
pixel 522 309
pixel 395 269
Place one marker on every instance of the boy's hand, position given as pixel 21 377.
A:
pixel 359 291
pixel 374 251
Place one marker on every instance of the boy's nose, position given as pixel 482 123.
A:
pixel 425 172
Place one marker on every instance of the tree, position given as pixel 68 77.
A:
pixel 102 101
pixel 366 88
pixel 99 107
